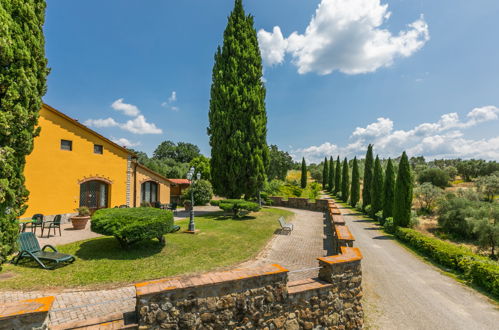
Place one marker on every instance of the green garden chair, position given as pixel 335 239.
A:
pixel 30 248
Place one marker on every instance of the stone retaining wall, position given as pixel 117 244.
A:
pixel 320 205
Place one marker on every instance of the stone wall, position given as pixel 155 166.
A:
pixel 262 298
pixel 27 314
pixel 320 205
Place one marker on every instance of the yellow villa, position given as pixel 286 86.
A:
pixel 72 165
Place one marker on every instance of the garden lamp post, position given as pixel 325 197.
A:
pixel 190 177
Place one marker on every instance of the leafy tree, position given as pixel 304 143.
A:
pixel 488 186
pixel 166 150
pixel 337 177
pixel 182 152
pixel 23 72
pixel 303 181
pixel 368 177
pixel 280 163
pixel 237 116
pixel 345 181
pixel 355 188
pixel 435 176
pixel 202 165
pixel 427 195
pixel 202 192
pixel 403 193
pixel 486 228
pixel 325 174
pixel 388 190
pixel 377 188
pixel 331 178
pixel 451 172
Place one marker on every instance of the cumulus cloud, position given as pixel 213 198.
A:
pixel 139 125
pixel 125 142
pixel 441 139
pixel 108 122
pixel 345 36
pixel 127 109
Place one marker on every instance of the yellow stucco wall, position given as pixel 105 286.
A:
pixel 144 175
pixel 53 176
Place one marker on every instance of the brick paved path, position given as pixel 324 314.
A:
pixel 299 250
pixel 295 251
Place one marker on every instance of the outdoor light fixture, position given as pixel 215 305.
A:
pixel 190 177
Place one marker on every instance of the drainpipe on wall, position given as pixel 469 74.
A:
pixel 135 182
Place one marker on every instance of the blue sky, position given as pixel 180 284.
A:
pixel 421 76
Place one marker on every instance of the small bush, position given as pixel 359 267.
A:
pixel 389 225
pixel 379 217
pixel 83 211
pixel 214 202
pixel 131 225
pixel 238 207
pixel 368 209
pixel 202 190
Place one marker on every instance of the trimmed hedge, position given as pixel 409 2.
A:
pixel 238 207
pixel 130 225
pixel 474 268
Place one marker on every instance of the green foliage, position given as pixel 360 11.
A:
pixel 167 167
pixel 303 178
pixel 273 188
pixel 453 212
pixel 23 71
pixel 201 165
pixel 345 181
pixel 83 211
pixel 202 192
pixel 279 164
pixel 368 177
pixel 473 168
pixel 314 190
pixel 474 268
pixel 215 202
pixel 237 116
pixel 131 225
pixel 289 189
pixel 488 186
pixel 331 175
pixel 389 225
pixel 403 193
pixel 325 174
pixel 181 152
pixel 388 190
pixel 427 195
pixel 238 207
pixel 355 189
pixel 337 177
pixel 377 188
pixel 435 176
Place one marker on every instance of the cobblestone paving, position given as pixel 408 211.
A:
pixel 295 251
pixel 299 250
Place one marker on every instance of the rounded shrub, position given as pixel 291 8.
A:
pixel 238 207
pixel 202 190
pixel 389 225
pixel 131 225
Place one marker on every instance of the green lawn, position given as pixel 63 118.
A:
pixel 222 242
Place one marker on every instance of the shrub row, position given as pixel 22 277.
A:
pixel 475 269
pixel 238 207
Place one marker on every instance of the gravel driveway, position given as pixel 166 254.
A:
pixel 403 292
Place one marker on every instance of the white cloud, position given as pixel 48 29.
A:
pixel 173 97
pixel 441 139
pixel 170 103
pixel 125 142
pixel 139 125
pixel 346 36
pixel 128 109
pixel 108 122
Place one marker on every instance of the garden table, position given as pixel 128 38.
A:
pixel 23 222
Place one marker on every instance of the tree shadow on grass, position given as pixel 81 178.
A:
pixel 109 248
pixel 224 217
pixel 384 237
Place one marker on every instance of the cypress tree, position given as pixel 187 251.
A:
pixel 368 177
pixel 355 187
pixel 345 181
pixel 238 120
pixel 337 177
pixel 23 72
pixel 303 182
pixel 388 190
pixel 325 173
pixel 331 174
pixel 377 188
pixel 403 193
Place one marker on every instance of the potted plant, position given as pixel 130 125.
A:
pixel 80 220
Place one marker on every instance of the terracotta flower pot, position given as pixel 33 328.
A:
pixel 79 222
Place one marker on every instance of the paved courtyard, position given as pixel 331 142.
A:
pixel 296 251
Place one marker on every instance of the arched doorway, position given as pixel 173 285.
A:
pixel 94 194
pixel 149 192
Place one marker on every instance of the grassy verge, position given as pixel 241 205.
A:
pixel 222 242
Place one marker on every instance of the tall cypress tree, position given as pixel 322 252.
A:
pixel 303 182
pixel 325 174
pixel 345 181
pixel 238 120
pixel 337 177
pixel 368 177
pixel 388 190
pixel 23 72
pixel 331 174
pixel 355 187
pixel 403 193
pixel 377 188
